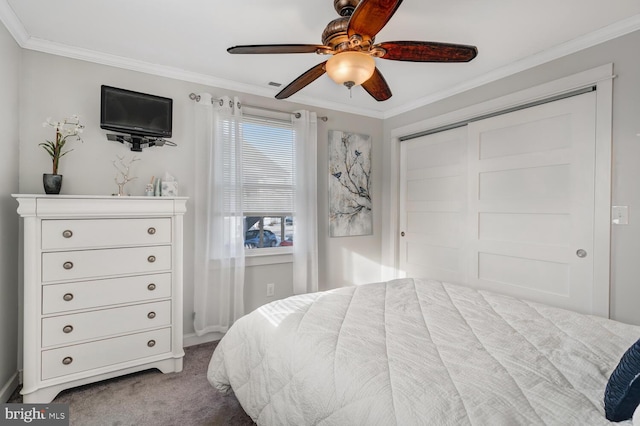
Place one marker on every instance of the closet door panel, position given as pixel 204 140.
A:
pixel 506 204
pixel 433 212
pixel 531 203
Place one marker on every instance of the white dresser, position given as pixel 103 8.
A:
pixel 102 289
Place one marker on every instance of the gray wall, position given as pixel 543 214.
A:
pixel 9 79
pixel 622 52
pixel 54 86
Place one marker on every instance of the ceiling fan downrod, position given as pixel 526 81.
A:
pixel 345 7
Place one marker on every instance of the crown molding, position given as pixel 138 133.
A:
pixel 19 33
pixel 116 61
pixel 602 35
pixel 10 20
pixel 54 48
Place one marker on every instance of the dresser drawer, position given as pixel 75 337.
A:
pixel 88 233
pixel 74 265
pixel 61 330
pixel 102 353
pixel 66 297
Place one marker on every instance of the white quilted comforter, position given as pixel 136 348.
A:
pixel 418 352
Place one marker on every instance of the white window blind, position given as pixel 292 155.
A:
pixel 268 166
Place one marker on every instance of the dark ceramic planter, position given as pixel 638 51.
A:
pixel 52 183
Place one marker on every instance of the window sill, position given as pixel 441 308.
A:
pixel 268 256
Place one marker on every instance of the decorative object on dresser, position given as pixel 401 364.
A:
pixel 68 127
pixel 102 289
pixel 123 176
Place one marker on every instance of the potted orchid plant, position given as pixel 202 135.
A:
pixel 67 128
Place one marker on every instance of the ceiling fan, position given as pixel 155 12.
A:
pixel 350 41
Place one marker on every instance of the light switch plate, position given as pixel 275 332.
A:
pixel 620 215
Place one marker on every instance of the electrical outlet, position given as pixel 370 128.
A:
pixel 270 289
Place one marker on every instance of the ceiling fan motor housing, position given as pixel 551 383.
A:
pixel 336 37
pixel 345 7
pixel 335 33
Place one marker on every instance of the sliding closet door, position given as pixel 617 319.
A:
pixel 433 213
pixel 531 203
pixel 506 204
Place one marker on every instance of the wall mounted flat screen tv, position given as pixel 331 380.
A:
pixel 135 113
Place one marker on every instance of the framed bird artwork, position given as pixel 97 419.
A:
pixel 350 204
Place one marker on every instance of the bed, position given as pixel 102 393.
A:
pixel 414 352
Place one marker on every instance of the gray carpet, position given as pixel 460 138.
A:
pixel 153 398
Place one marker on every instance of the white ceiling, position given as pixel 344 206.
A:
pixel 188 39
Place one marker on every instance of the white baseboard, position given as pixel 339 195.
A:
pixel 7 390
pixel 192 339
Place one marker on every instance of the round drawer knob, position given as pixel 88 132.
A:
pixel 67 360
pixel 151 259
pixel 151 287
pixel 68 297
pixel 67 329
pixel 67 233
pixel 67 265
pixel 151 231
pixel 151 343
pixel 151 315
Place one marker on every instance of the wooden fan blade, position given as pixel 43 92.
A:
pixel 305 79
pixel 370 16
pixel 377 86
pixel 427 51
pixel 276 48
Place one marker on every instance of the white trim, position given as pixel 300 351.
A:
pixel 19 33
pixel 13 24
pixel 45 46
pixel 602 212
pixel 601 77
pixel 272 257
pixel 537 93
pixel 602 35
pixel 12 384
pixel 192 339
pixel 390 238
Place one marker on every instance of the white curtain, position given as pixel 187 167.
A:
pixel 305 234
pixel 219 251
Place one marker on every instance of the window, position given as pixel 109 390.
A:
pixel 268 181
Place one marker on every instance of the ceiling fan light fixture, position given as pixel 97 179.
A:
pixel 350 68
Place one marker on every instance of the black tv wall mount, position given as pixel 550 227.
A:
pixel 138 142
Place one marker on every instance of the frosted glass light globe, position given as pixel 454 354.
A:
pixel 350 67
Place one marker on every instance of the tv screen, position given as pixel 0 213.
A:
pixel 135 113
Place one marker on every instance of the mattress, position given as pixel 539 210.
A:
pixel 418 352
